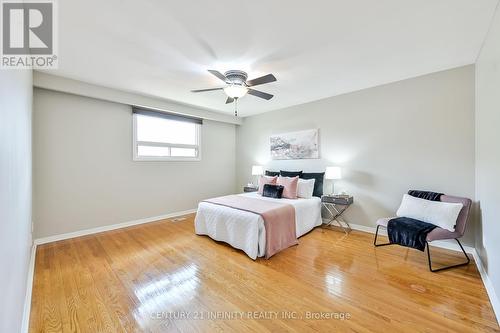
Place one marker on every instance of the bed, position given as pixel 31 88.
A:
pixel 245 230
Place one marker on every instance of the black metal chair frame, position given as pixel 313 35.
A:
pixel 429 253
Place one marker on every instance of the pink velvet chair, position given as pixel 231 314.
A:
pixel 439 233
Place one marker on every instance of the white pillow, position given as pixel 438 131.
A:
pixel 305 188
pixel 442 214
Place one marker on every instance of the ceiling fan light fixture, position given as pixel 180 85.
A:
pixel 235 91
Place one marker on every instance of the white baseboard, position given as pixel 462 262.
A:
pixel 29 289
pixel 494 300
pixel 367 229
pixel 91 231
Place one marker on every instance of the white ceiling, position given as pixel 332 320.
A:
pixel 316 49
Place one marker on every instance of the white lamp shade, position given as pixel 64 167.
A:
pixel 235 91
pixel 257 170
pixel 333 173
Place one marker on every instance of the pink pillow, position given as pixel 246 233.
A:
pixel 290 185
pixel 266 180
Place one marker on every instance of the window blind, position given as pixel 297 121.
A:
pixel 166 115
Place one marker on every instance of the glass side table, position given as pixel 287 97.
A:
pixel 336 205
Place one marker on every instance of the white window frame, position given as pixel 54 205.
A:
pixel 136 143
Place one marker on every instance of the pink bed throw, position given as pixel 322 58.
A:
pixel 279 219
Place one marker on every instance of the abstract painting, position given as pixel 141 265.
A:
pixel 295 145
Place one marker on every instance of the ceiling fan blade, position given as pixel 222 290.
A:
pixel 229 100
pixel 260 94
pixel 218 74
pixel 261 80
pixel 209 89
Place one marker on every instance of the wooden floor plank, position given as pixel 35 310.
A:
pixel 161 277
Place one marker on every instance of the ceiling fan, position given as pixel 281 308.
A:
pixel 237 85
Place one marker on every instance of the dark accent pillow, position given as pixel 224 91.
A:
pixel 290 173
pixel 272 191
pixel 272 173
pixel 318 183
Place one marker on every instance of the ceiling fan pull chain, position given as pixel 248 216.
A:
pixel 236 107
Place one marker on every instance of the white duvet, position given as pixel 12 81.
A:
pixel 246 231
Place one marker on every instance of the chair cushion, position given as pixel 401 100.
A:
pixel 440 233
pixel 436 234
pixel 439 213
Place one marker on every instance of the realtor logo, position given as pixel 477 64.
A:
pixel 28 34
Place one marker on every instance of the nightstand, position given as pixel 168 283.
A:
pixel 336 205
pixel 250 189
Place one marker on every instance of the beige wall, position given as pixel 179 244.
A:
pixel 15 194
pixel 416 133
pixel 84 176
pixel 488 155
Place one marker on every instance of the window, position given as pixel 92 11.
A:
pixel 160 136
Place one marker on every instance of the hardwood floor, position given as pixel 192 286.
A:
pixel 161 277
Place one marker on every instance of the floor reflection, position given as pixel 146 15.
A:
pixel 334 283
pixel 168 294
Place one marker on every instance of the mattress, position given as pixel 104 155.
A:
pixel 245 230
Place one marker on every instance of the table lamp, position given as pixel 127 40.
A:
pixel 333 173
pixel 257 170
